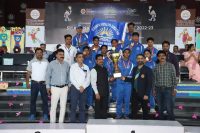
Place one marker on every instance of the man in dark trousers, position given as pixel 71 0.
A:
pixel 99 81
pixel 142 84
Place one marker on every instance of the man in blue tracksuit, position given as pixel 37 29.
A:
pixel 128 37
pixel 117 47
pixel 90 62
pixel 136 47
pixel 151 64
pixel 80 40
pixel 153 50
pixel 124 88
pixel 95 49
pixel 108 64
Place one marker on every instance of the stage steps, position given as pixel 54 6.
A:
pixel 186 106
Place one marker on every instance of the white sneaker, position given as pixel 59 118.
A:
pixel 90 108
pixel 152 110
pixel 140 110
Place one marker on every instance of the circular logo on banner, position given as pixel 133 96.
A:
pixel 185 14
pixel 35 14
pixel 83 11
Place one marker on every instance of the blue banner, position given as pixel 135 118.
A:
pixel 106 30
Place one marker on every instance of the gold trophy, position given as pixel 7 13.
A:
pixel 115 57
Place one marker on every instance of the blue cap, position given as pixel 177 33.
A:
pixel 79 26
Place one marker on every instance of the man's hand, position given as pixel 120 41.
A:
pixel 111 79
pixel 49 91
pixel 123 78
pixel 28 86
pixel 146 97
pixel 81 89
pixel 97 96
pixel 174 92
pixel 154 93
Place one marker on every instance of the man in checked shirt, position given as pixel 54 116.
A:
pixel 164 85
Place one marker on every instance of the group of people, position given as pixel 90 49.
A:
pixel 191 60
pixel 85 75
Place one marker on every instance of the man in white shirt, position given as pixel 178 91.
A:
pixel 37 70
pixel 70 51
pixel 80 80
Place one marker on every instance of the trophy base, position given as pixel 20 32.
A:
pixel 117 75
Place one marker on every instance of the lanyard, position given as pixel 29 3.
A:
pixel 108 65
pixel 68 50
pixel 79 38
pixel 85 71
pixel 152 51
pixel 130 37
pixel 126 65
pixel 137 74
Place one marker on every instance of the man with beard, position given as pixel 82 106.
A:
pixel 141 86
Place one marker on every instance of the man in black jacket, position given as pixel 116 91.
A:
pixel 141 84
pixel 100 85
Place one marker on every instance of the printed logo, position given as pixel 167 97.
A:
pixel 152 13
pixel 67 13
pixel 35 14
pixel 185 14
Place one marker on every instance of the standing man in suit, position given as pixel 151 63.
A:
pixel 100 85
pixel 141 86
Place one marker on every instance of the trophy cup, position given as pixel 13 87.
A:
pixel 115 57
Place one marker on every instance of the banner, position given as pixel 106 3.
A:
pixel 5 37
pixel 17 38
pixel 106 30
pixel 150 20
pixel 34 36
pixel 198 39
pixel 35 30
pixel 185 18
pixel 184 35
pixel 35 17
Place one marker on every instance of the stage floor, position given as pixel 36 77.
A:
pixel 66 127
